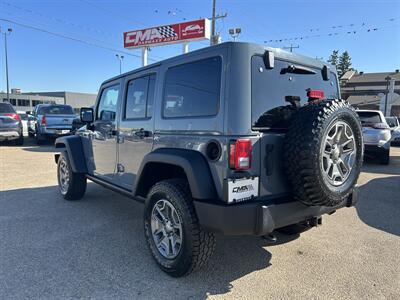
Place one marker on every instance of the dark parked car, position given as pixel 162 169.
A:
pixel 52 120
pixel 10 125
pixel 236 139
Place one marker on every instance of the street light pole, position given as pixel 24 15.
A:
pixel 8 32
pixel 387 78
pixel 120 58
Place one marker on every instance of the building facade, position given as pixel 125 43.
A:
pixel 27 101
pixel 368 90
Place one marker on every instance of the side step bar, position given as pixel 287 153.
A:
pixel 120 190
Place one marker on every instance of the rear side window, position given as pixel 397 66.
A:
pixel 107 108
pixel 6 108
pixel 270 87
pixel 369 117
pixel 193 89
pixel 140 98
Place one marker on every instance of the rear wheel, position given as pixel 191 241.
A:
pixel 384 158
pixel 39 139
pixel 177 242
pixel 20 140
pixel 71 185
pixel 324 152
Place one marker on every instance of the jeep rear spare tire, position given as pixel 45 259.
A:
pixel 324 152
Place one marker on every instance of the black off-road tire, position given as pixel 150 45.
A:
pixel 384 158
pixel 20 140
pixel 302 152
pixel 39 139
pixel 77 183
pixel 197 244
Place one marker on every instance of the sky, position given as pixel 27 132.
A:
pixel 40 61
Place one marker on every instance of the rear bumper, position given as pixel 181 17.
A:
pixel 54 132
pixel 9 135
pixel 260 218
pixel 376 149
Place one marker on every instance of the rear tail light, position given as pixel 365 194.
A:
pixel 43 121
pixel 315 94
pixel 240 154
pixel 14 116
pixel 380 126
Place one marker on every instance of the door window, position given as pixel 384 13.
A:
pixel 140 98
pixel 107 108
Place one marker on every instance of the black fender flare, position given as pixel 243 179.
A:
pixel 193 163
pixel 74 148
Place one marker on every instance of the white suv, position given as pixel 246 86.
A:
pixel 376 133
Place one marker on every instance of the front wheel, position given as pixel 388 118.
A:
pixel 72 186
pixel 176 240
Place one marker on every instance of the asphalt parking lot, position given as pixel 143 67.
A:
pixel 94 248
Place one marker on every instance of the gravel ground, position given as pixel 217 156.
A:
pixel 94 248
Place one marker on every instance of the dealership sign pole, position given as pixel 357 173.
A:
pixel 166 35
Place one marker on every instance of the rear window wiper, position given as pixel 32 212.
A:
pixel 297 70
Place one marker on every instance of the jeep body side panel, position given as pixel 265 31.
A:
pixel 74 148
pixel 192 163
pixel 195 132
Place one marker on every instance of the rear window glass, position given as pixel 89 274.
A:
pixel 6 108
pixel 56 110
pixel 270 87
pixel 193 89
pixel 369 117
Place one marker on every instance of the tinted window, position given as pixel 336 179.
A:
pixel 193 89
pixel 150 95
pixel 270 87
pixel 56 110
pixel 6 108
pixel 23 102
pixel 136 98
pixel 107 108
pixel 140 98
pixel 369 117
pixel 36 102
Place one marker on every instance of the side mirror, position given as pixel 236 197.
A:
pixel 87 115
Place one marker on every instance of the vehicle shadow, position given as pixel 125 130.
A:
pixel 95 247
pixel 373 166
pixel 379 204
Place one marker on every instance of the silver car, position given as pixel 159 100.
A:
pixel 10 124
pixel 376 133
pixel 394 125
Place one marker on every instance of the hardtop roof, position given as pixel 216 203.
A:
pixel 255 48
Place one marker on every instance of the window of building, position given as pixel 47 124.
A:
pixel 107 107
pixel 36 102
pixel 193 89
pixel 23 102
pixel 140 98
pixel 13 102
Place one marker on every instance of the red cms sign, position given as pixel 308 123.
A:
pixel 168 34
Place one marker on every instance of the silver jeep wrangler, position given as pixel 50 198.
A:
pixel 235 139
